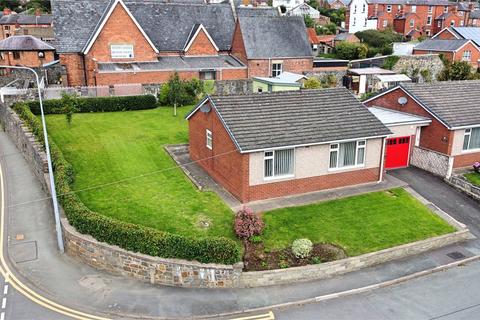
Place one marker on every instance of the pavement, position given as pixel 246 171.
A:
pixel 74 285
pixel 203 181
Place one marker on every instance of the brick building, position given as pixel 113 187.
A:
pixel 193 39
pixel 454 111
pixel 38 25
pixel 25 51
pixel 452 49
pixel 415 18
pixel 268 145
pixel 271 45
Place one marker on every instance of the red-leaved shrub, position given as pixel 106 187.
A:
pixel 247 224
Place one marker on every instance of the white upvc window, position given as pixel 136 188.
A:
pixel 439 24
pixel 389 8
pixel 445 9
pixel 354 21
pixel 430 9
pixel 276 69
pixel 209 139
pixel 471 140
pixel 429 20
pixel 121 51
pixel 385 23
pixel 279 164
pixel 467 55
pixel 414 9
pixel 412 23
pixel 347 154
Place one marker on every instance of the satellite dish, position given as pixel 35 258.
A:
pixel 402 100
pixel 205 108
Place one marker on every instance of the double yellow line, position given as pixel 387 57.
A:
pixel 21 287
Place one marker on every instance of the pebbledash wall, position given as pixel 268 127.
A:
pixel 182 273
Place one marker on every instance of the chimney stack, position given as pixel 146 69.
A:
pixel 38 12
pixel 7 11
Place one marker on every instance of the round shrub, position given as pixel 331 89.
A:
pixel 302 248
pixel 247 224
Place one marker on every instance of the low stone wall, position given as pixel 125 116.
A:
pixel 462 184
pixel 233 86
pixel 171 272
pixel 431 161
pixel 335 268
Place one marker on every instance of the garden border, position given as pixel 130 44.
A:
pixel 176 272
pixel 461 183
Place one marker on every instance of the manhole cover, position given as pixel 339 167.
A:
pixel 456 255
pixel 24 251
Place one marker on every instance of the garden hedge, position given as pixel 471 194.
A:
pixel 126 235
pixel 97 104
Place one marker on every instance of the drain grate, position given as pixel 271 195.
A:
pixel 456 255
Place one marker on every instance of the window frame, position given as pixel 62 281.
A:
pixel 272 158
pixel 389 8
pixel 335 147
pixel 209 139
pixel 430 9
pixel 115 57
pixel 414 9
pixel 429 20
pixel 277 71
pixel 469 56
pixel 412 23
pixel 385 23
pixel 16 55
pixel 468 132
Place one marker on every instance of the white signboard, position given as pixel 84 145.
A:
pixel 121 51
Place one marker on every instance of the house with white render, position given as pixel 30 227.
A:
pixel 357 17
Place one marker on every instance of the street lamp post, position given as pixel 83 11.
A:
pixel 49 159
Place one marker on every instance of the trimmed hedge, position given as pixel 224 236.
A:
pixel 126 235
pixel 97 104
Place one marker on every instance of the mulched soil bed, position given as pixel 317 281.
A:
pixel 256 259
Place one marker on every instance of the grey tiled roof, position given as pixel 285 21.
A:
pixel 175 63
pixel 292 118
pixel 414 2
pixel 471 33
pixel 456 103
pixel 24 43
pixel 168 25
pixel 257 11
pixel 343 36
pixel 441 45
pixel 475 14
pixel 275 37
pixel 26 19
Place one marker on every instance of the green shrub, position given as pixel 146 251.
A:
pixel 125 235
pixel 301 248
pixel 351 51
pixel 180 92
pixel 97 104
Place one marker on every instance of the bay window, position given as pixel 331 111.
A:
pixel 471 140
pixel 279 163
pixel 347 154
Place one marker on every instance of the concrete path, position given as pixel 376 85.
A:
pixel 203 181
pixel 73 284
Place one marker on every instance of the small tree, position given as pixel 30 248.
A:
pixel 312 83
pixel 309 22
pixel 70 106
pixel 350 51
pixel 176 91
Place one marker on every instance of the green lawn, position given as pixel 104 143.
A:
pixel 359 224
pixel 122 146
pixel 473 177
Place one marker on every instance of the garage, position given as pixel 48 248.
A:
pixel 406 130
pixel 397 152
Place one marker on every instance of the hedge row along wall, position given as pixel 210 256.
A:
pixel 100 104
pixel 125 235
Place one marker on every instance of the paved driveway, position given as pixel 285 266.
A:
pixel 450 200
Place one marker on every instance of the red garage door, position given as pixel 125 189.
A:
pixel 397 152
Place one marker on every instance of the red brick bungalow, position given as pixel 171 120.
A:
pixel 25 51
pixel 268 145
pixel 454 111
pixel 105 42
pixel 453 50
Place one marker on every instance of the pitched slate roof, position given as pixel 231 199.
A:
pixel 26 19
pixel 257 11
pixel 475 14
pixel 455 103
pixel 414 2
pixel 274 37
pixel 24 43
pixel 471 33
pixel 441 45
pixel 294 118
pixel 167 23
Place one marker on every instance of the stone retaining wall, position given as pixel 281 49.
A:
pixel 335 268
pixel 463 185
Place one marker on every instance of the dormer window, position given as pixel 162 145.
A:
pixel 121 51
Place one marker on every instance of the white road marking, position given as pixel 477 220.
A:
pixel 2 316
pixel 4 303
pixel 5 289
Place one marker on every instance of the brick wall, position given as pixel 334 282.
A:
pixel 263 67
pixel 224 163
pixel 238 46
pixel 27 58
pixel 298 186
pixel 435 136
pixel 74 67
pixel 466 160
pixel 201 46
